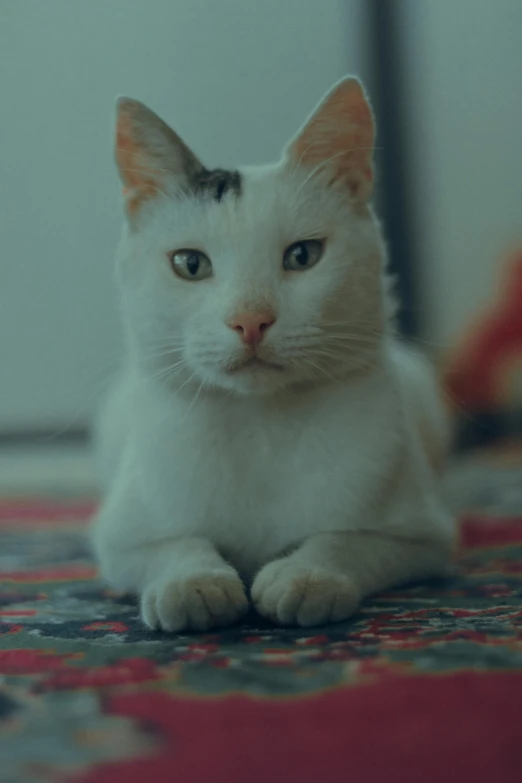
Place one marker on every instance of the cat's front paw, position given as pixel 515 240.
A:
pixel 198 602
pixel 293 594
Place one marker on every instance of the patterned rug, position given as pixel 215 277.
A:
pixel 423 684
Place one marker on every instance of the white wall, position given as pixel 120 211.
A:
pixel 235 77
pixel 464 70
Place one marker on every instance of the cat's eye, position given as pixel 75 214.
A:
pixel 303 255
pixel 191 264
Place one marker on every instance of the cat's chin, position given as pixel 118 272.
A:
pixel 254 366
pixel 254 377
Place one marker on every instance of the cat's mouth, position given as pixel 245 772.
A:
pixel 254 363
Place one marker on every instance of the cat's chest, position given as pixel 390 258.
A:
pixel 252 490
pixel 237 473
pixel 241 462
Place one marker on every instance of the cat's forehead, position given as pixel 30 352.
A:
pixel 251 204
pixel 273 178
pixel 273 192
pixel 281 198
pixel 268 200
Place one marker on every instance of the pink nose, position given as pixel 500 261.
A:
pixel 251 327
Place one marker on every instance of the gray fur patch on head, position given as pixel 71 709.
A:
pixel 216 183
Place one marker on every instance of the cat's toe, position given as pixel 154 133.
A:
pixel 290 594
pixel 195 603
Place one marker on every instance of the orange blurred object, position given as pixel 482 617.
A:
pixel 485 370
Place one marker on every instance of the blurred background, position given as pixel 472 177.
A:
pixel 236 78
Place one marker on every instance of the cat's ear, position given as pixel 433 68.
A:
pixel 150 156
pixel 339 138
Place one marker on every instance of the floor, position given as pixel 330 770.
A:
pixel 47 469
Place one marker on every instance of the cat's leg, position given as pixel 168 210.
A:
pixel 183 583
pixel 327 577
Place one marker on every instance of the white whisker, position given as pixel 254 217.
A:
pixel 168 372
pixel 160 354
pixel 197 395
pixel 317 367
pixel 185 383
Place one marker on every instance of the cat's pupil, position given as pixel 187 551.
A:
pixel 193 264
pixel 301 255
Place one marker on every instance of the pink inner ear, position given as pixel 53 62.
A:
pixel 340 131
pixel 132 163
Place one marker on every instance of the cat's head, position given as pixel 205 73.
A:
pixel 257 279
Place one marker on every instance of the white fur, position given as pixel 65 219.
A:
pixel 314 483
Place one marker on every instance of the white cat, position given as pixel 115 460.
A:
pixel 268 437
